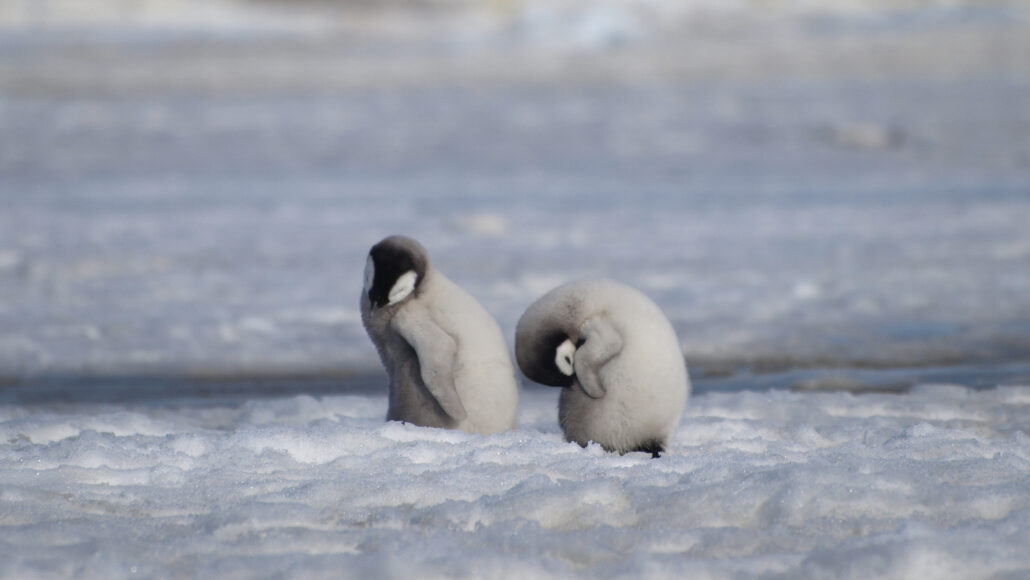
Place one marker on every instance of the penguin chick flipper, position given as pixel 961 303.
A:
pixel 602 342
pixel 436 351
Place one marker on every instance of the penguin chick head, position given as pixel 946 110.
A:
pixel 395 268
pixel 548 359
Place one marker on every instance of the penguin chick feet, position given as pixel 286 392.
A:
pixel 654 447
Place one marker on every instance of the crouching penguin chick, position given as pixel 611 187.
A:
pixel 618 359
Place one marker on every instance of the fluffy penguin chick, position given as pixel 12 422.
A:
pixel 446 359
pixel 618 358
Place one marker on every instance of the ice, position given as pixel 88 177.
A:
pixel 774 484
pixel 829 196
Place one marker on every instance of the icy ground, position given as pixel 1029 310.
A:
pixel 830 196
pixel 829 189
pixel 930 484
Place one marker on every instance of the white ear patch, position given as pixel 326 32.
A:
pixel 565 357
pixel 370 273
pixel 404 286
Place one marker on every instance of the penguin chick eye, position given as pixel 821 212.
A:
pixel 404 286
pixel 565 356
pixel 370 273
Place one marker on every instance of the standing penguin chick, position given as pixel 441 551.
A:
pixel 446 359
pixel 618 358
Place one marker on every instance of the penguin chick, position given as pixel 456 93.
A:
pixel 618 359
pixel 446 359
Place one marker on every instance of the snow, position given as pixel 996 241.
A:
pixel 227 244
pixel 829 200
pixel 771 484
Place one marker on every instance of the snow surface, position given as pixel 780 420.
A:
pixel 796 191
pixel 930 484
pixel 835 191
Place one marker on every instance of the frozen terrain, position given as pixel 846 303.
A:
pixel 930 484
pixel 830 200
pixel 796 190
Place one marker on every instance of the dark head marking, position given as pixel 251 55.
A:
pixel 537 360
pixel 390 260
